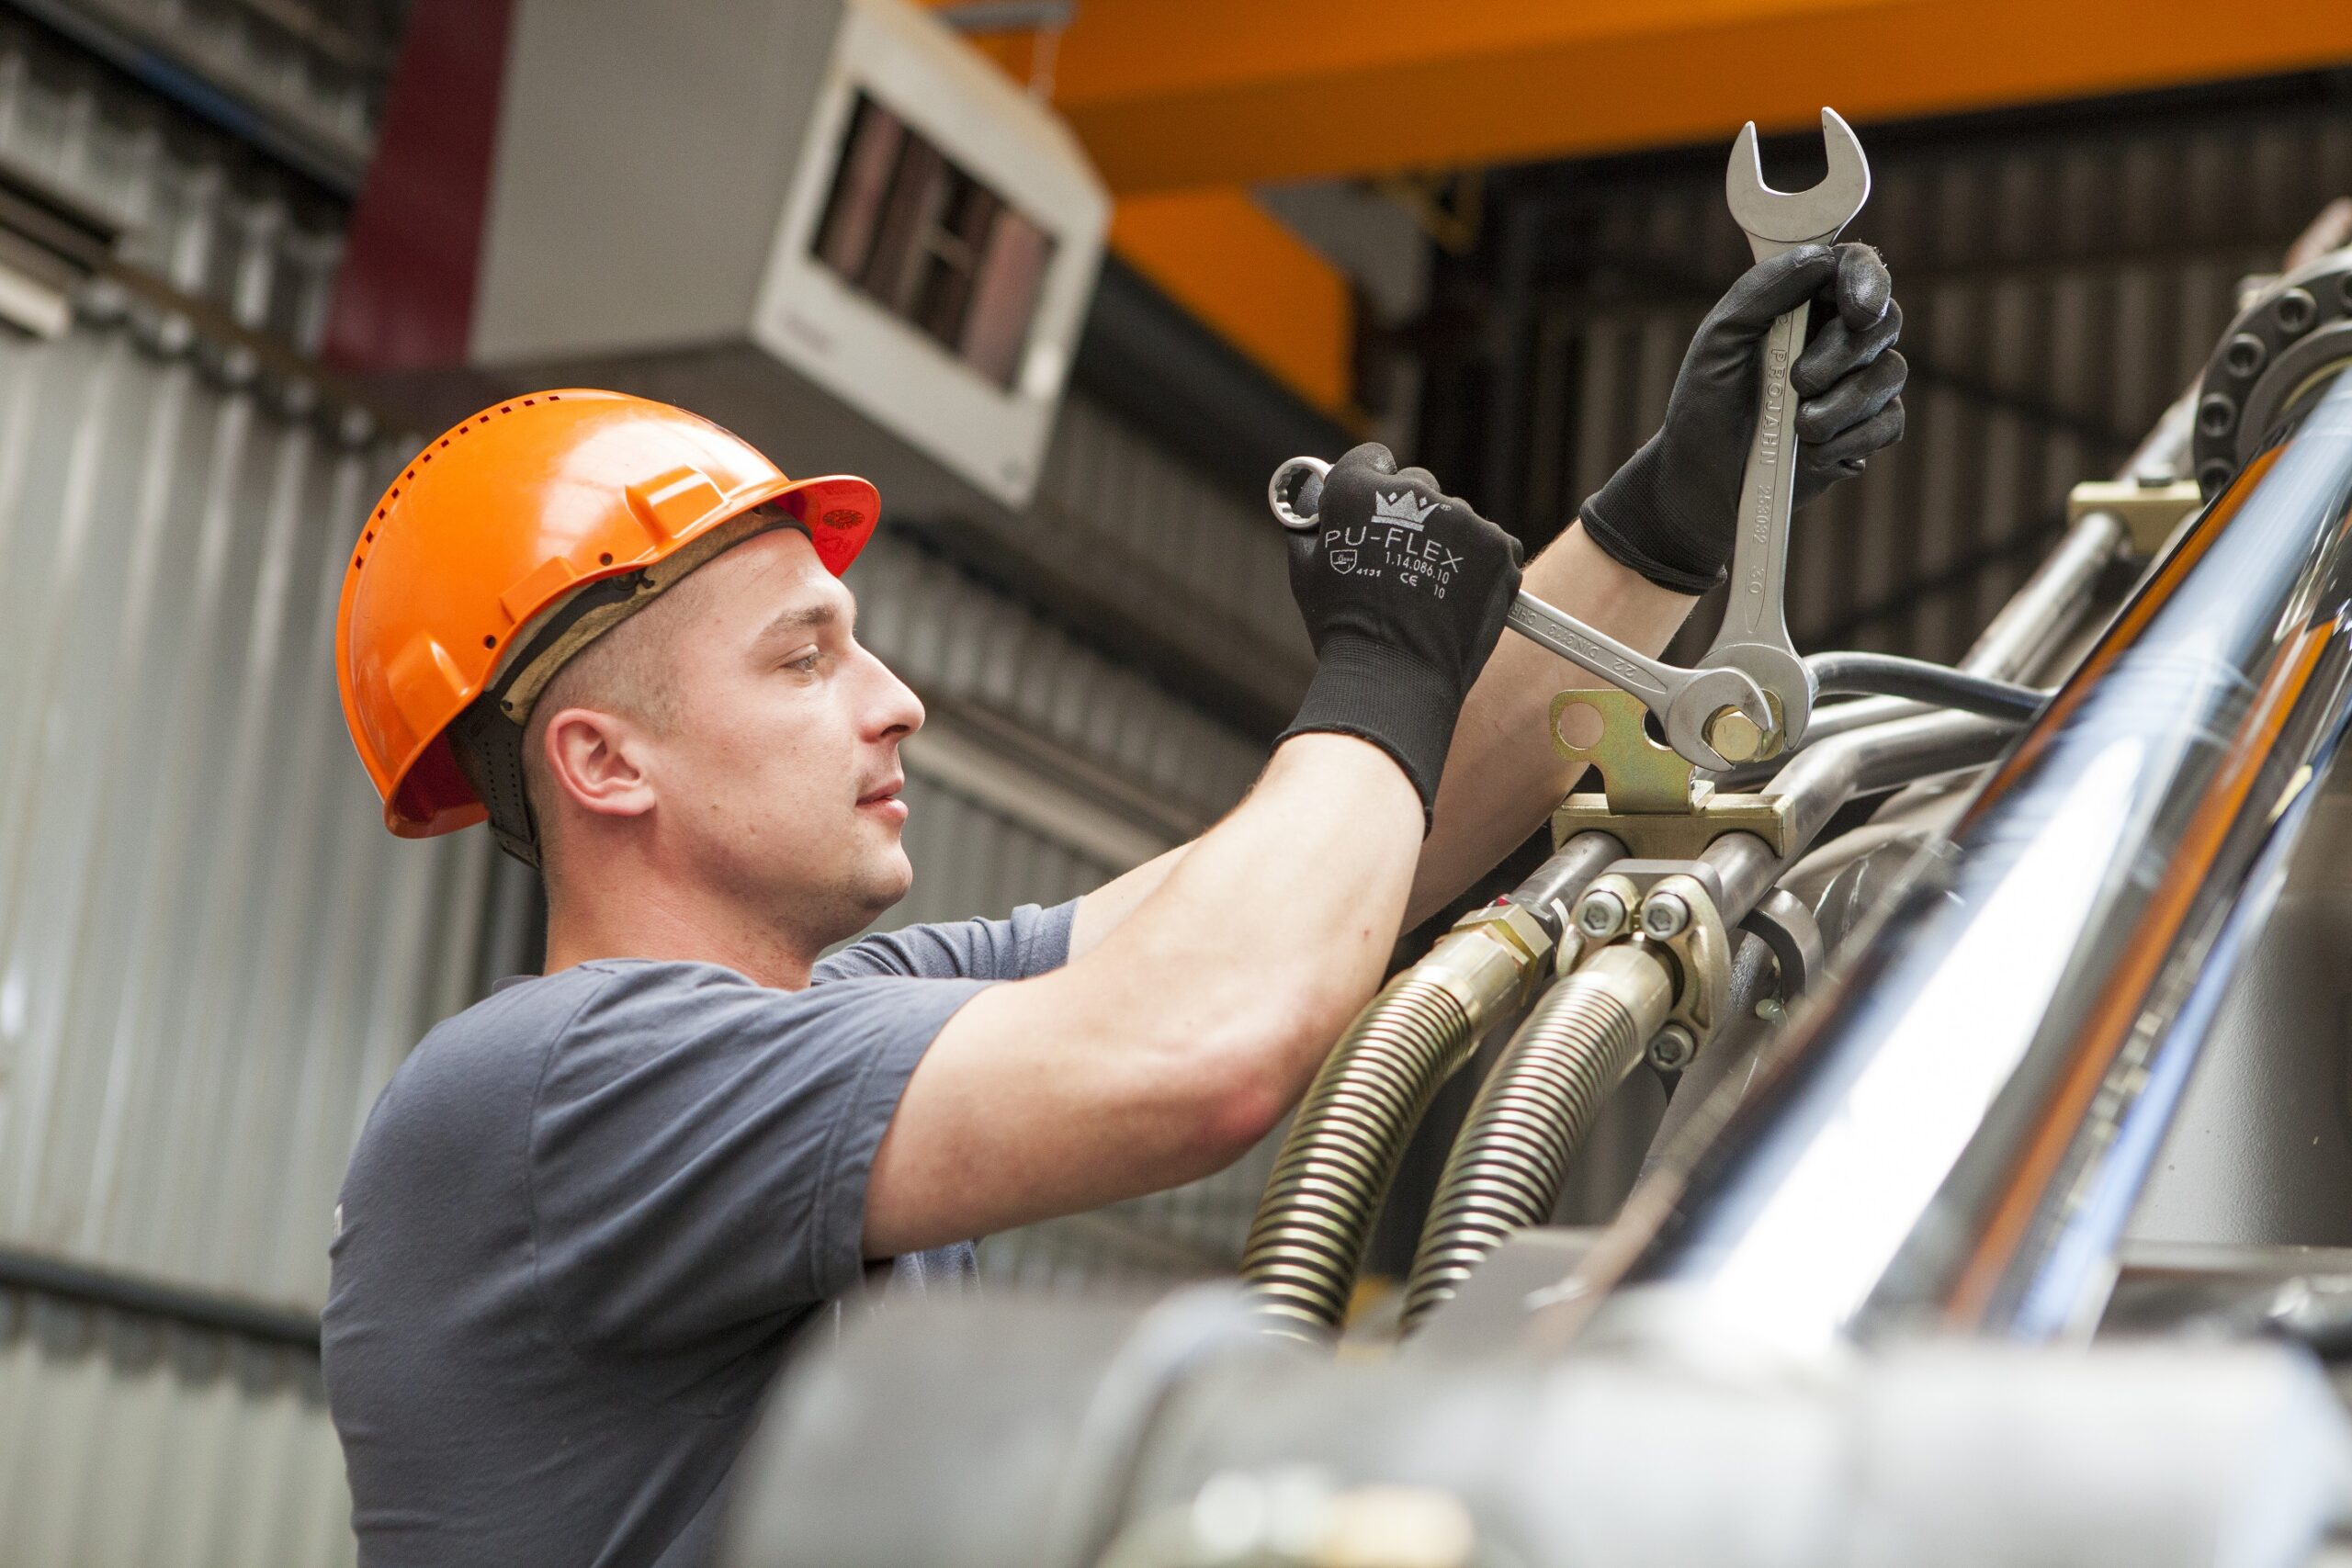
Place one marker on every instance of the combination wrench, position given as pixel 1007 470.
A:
pixel 1693 706
pixel 1754 638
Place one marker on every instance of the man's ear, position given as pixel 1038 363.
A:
pixel 595 760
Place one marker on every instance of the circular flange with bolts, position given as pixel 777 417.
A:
pixel 2281 351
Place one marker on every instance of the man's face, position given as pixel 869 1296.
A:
pixel 778 770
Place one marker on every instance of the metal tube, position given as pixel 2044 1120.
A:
pixel 1958 1133
pixel 2041 615
pixel 1506 1167
pixel 1308 1240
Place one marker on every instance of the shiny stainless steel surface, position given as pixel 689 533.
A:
pixel 1755 633
pixel 1957 1135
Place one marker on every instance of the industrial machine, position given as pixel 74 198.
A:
pixel 1958 982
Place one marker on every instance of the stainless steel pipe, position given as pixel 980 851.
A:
pixel 1506 1167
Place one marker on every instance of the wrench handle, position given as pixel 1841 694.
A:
pixel 1760 563
pixel 1595 652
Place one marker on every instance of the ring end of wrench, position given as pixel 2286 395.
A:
pixel 1295 493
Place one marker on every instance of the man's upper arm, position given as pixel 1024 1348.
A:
pixel 700 1148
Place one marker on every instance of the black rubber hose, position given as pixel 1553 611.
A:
pixel 1889 675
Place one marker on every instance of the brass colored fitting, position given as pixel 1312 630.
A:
pixel 1734 734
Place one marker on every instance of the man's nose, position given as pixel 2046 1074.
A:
pixel 898 710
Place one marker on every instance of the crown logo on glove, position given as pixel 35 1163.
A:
pixel 1402 508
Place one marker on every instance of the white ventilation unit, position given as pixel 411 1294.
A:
pixel 762 207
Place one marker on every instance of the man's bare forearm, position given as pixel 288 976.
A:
pixel 1502 777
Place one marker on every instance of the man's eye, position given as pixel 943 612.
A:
pixel 806 664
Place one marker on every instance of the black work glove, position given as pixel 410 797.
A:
pixel 1670 512
pixel 1404 589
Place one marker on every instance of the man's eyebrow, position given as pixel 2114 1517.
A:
pixel 802 618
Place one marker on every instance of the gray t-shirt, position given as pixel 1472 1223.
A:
pixel 586 1221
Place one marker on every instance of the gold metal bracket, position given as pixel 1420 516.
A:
pixel 1636 772
pixel 2149 513
pixel 1652 800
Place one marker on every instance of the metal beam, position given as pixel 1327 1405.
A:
pixel 1231 92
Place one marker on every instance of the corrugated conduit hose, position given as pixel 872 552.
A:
pixel 1334 1169
pixel 1507 1165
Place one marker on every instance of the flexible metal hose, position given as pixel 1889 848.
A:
pixel 1513 1152
pixel 1316 1216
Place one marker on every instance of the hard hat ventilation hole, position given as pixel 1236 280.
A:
pixel 604 559
pixel 489 642
pixel 528 402
pixel 555 397
pixel 368 537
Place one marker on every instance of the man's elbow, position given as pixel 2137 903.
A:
pixel 1242 1087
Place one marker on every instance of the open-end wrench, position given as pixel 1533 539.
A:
pixel 1755 633
pixel 1693 706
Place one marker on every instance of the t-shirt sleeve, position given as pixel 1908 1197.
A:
pixel 700 1146
pixel 1031 942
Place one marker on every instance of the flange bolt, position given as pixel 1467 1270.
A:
pixel 1672 1048
pixel 1664 915
pixel 1600 914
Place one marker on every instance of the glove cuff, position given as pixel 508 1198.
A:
pixel 1621 548
pixel 1374 692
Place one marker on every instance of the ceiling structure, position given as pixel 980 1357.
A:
pixel 1186 104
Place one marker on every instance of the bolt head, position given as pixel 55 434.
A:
pixel 1734 734
pixel 1600 914
pixel 1672 1048
pixel 1664 915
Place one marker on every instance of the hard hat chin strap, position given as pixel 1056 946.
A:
pixel 487 736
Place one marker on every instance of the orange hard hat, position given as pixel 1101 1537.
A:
pixel 512 542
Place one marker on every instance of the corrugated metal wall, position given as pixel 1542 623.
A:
pixel 210 954
pixel 2061 285
pixel 131 1441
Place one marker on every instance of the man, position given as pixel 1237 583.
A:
pixel 590 1213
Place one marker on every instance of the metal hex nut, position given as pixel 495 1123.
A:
pixel 1514 925
pixel 1734 734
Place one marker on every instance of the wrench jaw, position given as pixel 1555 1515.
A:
pixel 1785 678
pixel 1779 219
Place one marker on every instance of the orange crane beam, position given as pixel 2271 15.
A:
pixel 1186 94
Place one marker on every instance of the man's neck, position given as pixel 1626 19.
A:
pixel 650 926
